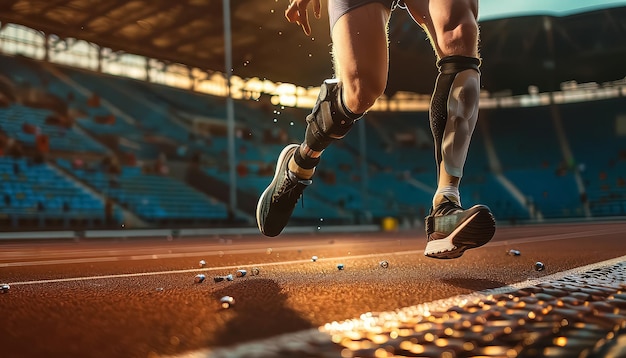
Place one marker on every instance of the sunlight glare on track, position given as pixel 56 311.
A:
pixel 399 330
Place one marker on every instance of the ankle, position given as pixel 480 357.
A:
pixel 299 171
pixel 448 193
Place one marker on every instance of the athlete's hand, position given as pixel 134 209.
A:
pixel 297 12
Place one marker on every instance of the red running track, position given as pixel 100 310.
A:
pixel 138 298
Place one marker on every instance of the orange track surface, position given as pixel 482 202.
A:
pixel 138 298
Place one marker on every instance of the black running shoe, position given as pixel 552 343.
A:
pixel 277 202
pixel 451 229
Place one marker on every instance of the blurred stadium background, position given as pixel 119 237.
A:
pixel 115 114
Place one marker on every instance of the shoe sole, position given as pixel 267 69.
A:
pixel 474 232
pixel 262 198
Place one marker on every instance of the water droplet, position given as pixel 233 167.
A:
pixel 275 120
pixel 319 228
pixel 269 250
pixel 310 55
pixel 202 263
pixel 241 273
pixel 314 258
pixel 340 267
pixel 255 271
pixel 384 264
pixel 514 252
pixel 291 123
pixel 539 266
pixel 199 278
pixel 5 288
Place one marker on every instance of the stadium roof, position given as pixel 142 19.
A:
pixel 517 52
pixel 498 9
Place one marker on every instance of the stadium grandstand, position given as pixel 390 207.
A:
pixel 114 114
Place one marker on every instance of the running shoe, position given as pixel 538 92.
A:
pixel 451 229
pixel 277 202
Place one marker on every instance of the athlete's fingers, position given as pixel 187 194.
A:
pixel 297 13
pixel 292 12
pixel 317 8
pixel 304 21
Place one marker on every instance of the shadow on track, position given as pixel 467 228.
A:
pixel 259 312
pixel 474 284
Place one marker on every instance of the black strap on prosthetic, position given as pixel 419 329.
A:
pixel 448 68
pixel 329 120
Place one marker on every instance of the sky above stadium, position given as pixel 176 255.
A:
pixel 495 9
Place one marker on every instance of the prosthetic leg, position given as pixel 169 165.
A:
pixel 329 120
pixel 453 114
pixel 454 111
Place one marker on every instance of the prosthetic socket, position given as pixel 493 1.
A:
pixel 329 120
pixel 454 111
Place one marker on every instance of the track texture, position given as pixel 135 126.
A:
pixel 138 298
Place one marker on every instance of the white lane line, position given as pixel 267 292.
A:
pixel 324 333
pixel 564 236
pixel 193 251
pixel 209 245
pixel 551 237
pixel 266 264
pixel 208 269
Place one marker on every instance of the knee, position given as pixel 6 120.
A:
pixel 360 93
pixel 456 28
pixel 460 39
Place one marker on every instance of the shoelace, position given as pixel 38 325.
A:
pixel 291 190
pixel 446 207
